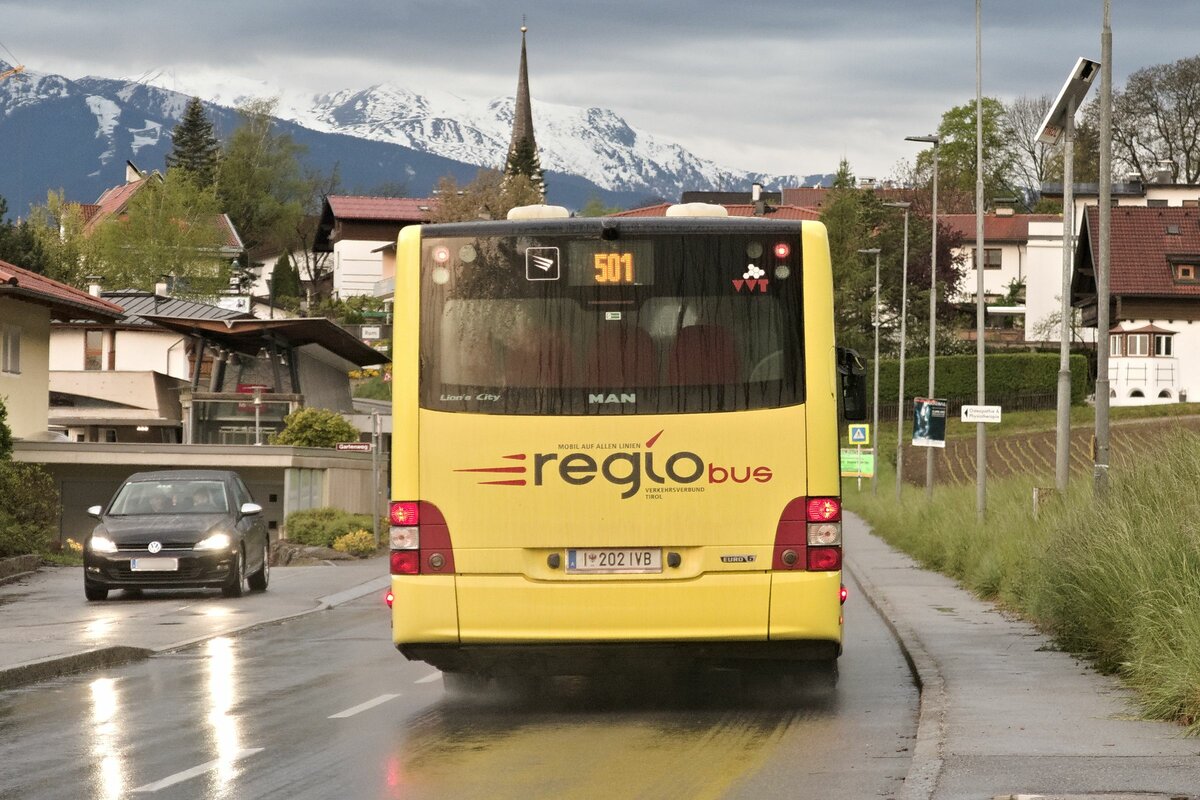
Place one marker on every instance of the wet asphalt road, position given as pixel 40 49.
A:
pixel 324 707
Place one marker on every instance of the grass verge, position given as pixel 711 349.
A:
pixel 1112 579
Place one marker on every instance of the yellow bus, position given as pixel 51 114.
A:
pixel 616 443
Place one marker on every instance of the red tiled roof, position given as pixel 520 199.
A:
pixel 388 209
pixel 734 209
pixel 1142 248
pixel 1013 228
pixel 112 201
pixel 30 286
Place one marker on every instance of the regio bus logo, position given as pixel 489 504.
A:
pixel 626 468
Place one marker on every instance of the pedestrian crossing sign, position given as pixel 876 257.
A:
pixel 860 434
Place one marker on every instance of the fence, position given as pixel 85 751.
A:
pixel 1020 402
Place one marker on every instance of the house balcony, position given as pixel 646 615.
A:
pixel 1142 380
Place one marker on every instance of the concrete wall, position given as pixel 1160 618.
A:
pixel 27 394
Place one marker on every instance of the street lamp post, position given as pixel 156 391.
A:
pixel 935 141
pixel 875 390
pixel 900 416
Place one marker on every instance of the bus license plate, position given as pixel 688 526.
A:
pixel 596 560
pixel 154 564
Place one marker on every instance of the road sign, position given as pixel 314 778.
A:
pixel 981 413
pixel 860 434
pixel 857 463
pixel 355 447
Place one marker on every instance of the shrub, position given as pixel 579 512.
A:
pixel 1007 375
pixel 357 543
pixel 29 507
pixel 323 526
pixel 315 427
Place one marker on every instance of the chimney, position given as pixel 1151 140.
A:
pixel 760 205
pixel 161 289
pixel 1004 211
pixel 1162 175
pixel 93 285
pixel 132 173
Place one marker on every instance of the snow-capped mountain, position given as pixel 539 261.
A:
pixel 77 135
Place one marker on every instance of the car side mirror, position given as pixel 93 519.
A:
pixel 250 508
pixel 853 378
pixel 94 511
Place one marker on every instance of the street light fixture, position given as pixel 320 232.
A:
pixel 935 141
pixel 900 416
pixel 875 391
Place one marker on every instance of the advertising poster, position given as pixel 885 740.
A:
pixel 929 422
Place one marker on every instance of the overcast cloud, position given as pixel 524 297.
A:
pixel 776 86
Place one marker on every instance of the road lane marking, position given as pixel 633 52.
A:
pixel 430 678
pixel 188 774
pixel 350 712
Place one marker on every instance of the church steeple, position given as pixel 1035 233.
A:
pixel 522 148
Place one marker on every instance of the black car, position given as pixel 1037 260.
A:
pixel 178 528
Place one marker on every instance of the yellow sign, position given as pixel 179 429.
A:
pixel 860 433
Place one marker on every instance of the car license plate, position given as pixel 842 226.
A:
pixel 599 560
pixel 154 564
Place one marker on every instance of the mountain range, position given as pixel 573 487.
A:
pixel 76 135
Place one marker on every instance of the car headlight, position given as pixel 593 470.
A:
pixel 102 544
pixel 218 541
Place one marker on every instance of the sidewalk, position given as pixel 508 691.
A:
pixel 1003 713
pixel 47 628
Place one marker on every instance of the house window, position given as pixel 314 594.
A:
pixel 93 350
pixel 1185 273
pixel 1162 345
pixel 1137 344
pixel 10 350
pixel 1114 344
pixel 992 257
pixel 1157 203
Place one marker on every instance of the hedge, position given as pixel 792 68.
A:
pixel 323 526
pixel 1006 375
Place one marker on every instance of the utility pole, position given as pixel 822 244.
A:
pixel 875 388
pixel 900 417
pixel 1100 467
pixel 980 428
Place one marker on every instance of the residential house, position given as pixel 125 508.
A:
pixel 1154 300
pixel 28 304
pixel 360 234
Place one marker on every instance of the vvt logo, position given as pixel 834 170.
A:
pixel 628 469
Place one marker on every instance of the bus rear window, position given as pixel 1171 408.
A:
pixel 653 324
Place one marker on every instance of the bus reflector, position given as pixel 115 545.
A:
pixel 823 509
pixel 404 512
pixel 824 559
pixel 843 593
pixel 389 597
pixel 405 562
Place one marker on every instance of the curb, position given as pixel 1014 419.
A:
pixel 118 655
pixel 17 567
pixel 926 765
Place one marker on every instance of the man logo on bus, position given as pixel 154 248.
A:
pixel 624 468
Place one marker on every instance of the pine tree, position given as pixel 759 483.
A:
pixel 523 160
pixel 196 147
pixel 285 279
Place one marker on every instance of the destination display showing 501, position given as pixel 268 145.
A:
pixel 596 263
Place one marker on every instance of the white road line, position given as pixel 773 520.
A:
pixel 188 774
pixel 350 712
pixel 430 678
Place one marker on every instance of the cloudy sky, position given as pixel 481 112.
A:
pixel 781 86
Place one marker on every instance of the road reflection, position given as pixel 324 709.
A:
pixel 106 739
pixel 587 738
pixel 225 736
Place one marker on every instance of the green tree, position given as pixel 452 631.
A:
pixel 71 255
pixel 315 427
pixel 956 157
pixel 260 182
pixel 285 280
pixel 844 178
pixel 523 160
pixel 171 226
pixel 19 243
pixel 595 208
pixel 195 148
pixel 490 196
pixel 1156 121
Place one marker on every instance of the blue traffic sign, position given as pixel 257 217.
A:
pixel 860 434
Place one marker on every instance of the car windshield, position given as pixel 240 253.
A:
pixel 170 497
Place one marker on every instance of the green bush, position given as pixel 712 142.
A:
pixel 1005 375
pixel 29 506
pixel 357 543
pixel 315 427
pixel 323 526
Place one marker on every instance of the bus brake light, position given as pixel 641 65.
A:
pixel 824 509
pixel 404 512
pixel 783 250
pixel 824 559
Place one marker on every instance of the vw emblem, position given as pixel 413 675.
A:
pixel 154 547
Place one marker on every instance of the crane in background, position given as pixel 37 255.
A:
pixel 16 70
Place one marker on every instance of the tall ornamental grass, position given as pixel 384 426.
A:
pixel 1116 579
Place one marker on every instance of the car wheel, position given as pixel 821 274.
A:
pixel 259 580
pixel 237 577
pixel 92 592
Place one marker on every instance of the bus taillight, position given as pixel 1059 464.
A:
pixel 823 509
pixel 824 559
pixel 419 539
